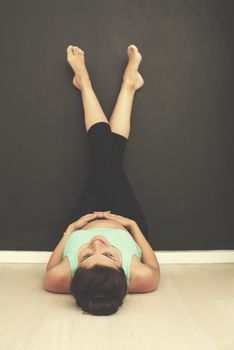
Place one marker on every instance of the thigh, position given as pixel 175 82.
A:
pixel 108 187
pixel 125 202
pixel 100 143
pixel 114 192
pixel 105 146
pixel 92 197
pixel 85 203
pixel 119 143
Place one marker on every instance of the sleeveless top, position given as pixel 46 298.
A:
pixel 119 238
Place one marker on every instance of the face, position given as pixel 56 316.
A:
pixel 99 251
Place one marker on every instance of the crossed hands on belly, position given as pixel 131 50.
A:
pixel 84 220
pixel 100 214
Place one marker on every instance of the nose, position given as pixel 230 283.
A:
pixel 97 243
pixel 101 238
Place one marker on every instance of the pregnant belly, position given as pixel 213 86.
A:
pixel 103 223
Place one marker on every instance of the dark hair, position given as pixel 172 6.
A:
pixel 99 290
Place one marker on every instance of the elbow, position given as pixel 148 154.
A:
pixel 46 285
pixel 156 287
pixel 157 278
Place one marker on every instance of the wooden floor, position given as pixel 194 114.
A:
pixel 192 309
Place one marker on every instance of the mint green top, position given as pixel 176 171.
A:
pixel 119 238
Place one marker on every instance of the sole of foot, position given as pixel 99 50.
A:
pixel 76 59
pixel 131 76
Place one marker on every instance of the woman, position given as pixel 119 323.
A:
pixel 105 253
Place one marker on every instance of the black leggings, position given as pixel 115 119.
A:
pixel 107 186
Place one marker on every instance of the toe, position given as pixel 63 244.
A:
pixel 81 51
pixel 70 49
pixel 76 50
pixel 133 53
pixel 133 47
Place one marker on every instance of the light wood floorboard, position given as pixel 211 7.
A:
pixel 193 309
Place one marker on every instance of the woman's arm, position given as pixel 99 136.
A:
pixel 148 255
pixel 57 255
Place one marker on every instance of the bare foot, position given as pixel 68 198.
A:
pixel 75 57
pixel 131 75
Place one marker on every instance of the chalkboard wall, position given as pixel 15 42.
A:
pixel 179 157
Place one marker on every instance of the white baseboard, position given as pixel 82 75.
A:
pixel 164 257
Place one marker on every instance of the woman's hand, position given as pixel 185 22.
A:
pixel 84 220
pixel 76 225
pixel 120 219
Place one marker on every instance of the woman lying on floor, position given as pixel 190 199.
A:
pixel 105 254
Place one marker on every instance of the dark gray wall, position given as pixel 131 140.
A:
pixel 179 154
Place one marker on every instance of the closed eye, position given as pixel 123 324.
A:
pixel 88 255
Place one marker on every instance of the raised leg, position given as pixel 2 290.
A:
pixel 92 109
pixel 120 120
pixel 132 81
pixel 108 187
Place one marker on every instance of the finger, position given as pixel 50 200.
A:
pixel 109 214
pixel 84 216
pixel 88 216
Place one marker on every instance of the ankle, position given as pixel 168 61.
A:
pixel 85 83
pixel 127 85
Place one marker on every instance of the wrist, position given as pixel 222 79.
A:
pixel 132 225
pixel 71 228
pixel 66 233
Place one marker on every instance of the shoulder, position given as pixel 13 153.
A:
pixel 144 278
